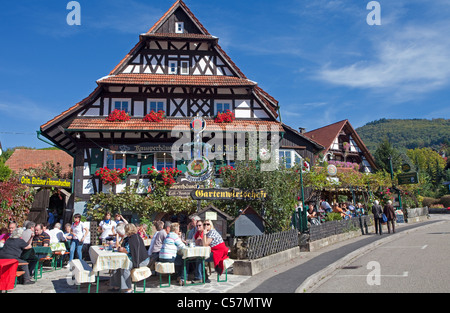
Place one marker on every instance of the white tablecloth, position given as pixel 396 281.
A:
pixel 58 246
pixel 107 260
pixel 197 251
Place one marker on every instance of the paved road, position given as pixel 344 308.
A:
pixel 290 276
pixel 414 263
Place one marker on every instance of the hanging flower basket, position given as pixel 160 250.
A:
pixel 118 116
pixel 112 176
pixel 225 117
pixel 155 117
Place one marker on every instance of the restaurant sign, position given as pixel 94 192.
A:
pixel 408 178
pixel 182 188
pixel 45 182
pixel 141 148
pixel 228 194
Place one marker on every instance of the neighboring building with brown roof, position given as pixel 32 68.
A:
pixel 343 145
pixel 28 158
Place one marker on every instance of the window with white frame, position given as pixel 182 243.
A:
pixel 289 158
pixel 163 160
pixel 114 160
pixel 184 69
pixel 179 27
pixel 173 67
pixel 121 105
pixel 285 158
pixel 222 107
pixel 157 105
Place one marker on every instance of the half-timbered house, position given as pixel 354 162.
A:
pixel 177 67
pixel 343 146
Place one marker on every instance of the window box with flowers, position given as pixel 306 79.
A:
pixel 112 176
pixel 155 117
pixel 118 116
pixel 164 178
pixel 224 117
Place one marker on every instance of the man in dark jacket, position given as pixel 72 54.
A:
pixel 377 211
pixel 390 214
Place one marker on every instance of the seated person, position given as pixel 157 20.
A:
pixel 312 215
pixel 219 250
pixel 168 253
pixel 337 209
pixel 162 229
pixel 13 249
pixel 41 238
pixel 134 246
pixel 56 234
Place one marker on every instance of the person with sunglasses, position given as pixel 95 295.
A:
pixel 198 237
pixel 219 250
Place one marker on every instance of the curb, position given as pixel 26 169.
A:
pixel 309 284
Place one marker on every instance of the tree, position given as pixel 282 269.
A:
pixel 385 152
pixel 281 185
pixel 431 167
pixel 15 201
pixel 5 172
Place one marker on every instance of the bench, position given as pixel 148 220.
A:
pixel 18 274
pixel 164 268
pixel 39 266
pixel 59 256
pixel 82 273
pixel 138 274
pixel 226 264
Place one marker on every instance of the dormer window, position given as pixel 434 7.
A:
pixel 179 27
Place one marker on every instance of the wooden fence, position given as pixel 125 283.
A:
pixel 267 244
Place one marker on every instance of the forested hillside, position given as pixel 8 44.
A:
pixel 406 133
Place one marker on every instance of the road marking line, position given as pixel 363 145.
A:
pixel 404 247
pixel 405 274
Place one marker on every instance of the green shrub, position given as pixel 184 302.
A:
pixel 333 216
pixel 445 200
pixel 427 201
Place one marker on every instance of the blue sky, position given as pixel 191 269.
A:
pixel 320 59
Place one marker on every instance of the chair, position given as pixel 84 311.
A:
pixel 164 268
pixel 138 274
pixel 82 273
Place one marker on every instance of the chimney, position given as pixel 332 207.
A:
pixel 302 130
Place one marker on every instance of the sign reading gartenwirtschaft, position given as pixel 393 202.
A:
pixel 45 182
pixel 228 194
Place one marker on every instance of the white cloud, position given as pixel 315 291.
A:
pixel 414 59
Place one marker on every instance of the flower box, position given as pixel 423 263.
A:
pixel 118 116
pixel 112 176
pixel 155 117
pixel 224 117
